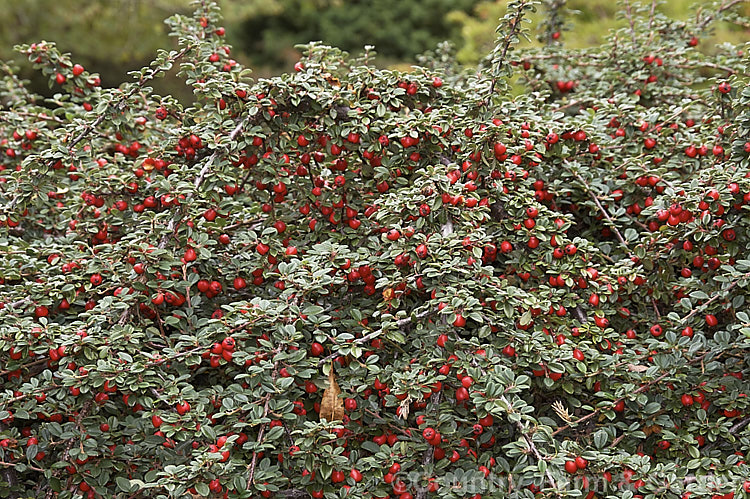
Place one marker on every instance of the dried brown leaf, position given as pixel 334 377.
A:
pixel 637 368
pixel 648 430
pixel 562 411
pixel 332 406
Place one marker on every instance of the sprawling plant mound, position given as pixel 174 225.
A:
pixel 391 284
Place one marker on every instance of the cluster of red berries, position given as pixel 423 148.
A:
pixel 187 146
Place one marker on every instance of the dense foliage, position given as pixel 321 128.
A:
pixel 348 280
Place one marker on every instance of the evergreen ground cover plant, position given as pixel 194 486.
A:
pixel 348 281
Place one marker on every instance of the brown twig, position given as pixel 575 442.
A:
pixel 202 175
pixel 9 473
pixel 120 104
pixel 732 431
pixel 261 432
pixel 429 454
pixel 376 333
pixel 28 466
pixel 709 18
pixel 706 64
pixel 719 294
pixel 514 26
pixel 656 309
pixel 642 389
pixel 530 442
pixel 25 366
pixel 631 21
pixel 604 213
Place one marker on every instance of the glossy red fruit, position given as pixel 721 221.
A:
pixel 338 476
pixel 316 349
pixel 182 408
pixel 462 394
pixel 215 485
pixel 594 300
pixel 350 404
pixel 228 343
pixel 239 283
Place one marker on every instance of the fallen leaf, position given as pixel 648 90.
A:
pixel 332 406
pixel 637 368
pixel 648 430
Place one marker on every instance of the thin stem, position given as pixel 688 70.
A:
pixel 642 389
pixel 376 333
pixel 530 442
pixel 631 21
pixel 604 213
pixel 429 454
pixel 262 431
pixel 719 294
pixel 514 27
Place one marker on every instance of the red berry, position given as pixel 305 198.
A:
pixel 182 408
pixel 316 349
pixel 350 404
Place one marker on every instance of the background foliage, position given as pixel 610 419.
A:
pixel 113 37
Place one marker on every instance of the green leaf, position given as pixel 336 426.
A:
pixel 600 439
pixel 202 489
pixel 123 483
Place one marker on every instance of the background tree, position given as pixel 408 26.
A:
pixel 113 37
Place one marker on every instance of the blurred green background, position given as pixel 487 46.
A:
pixel 113 37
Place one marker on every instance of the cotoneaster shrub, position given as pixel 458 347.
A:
pixel 531 296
